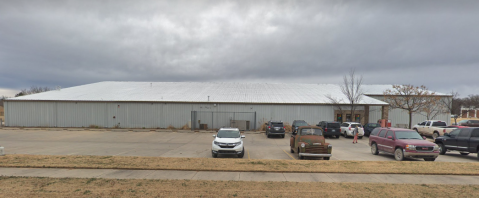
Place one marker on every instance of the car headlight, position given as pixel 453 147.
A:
pixel 217 143
pixel 330 146
pixel 436 147
pixel 237 143
pixel 410 147
pixel 303 145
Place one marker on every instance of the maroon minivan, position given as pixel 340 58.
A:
pixel 402 143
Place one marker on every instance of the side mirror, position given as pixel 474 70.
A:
pixel 390 137
pixel 214 136
pixel 242 136
pixel 423 137
pixel 447 134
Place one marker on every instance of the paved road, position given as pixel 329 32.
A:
pixel 174 144
pixel 239 176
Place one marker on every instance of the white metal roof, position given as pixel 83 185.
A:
pixel 379 90
pixel 220 92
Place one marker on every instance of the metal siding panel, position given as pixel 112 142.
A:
pixel 80 114
pixel 30 114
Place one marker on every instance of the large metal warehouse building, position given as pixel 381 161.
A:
pixel 199 105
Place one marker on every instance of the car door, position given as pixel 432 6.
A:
pixel 380 140
pixel 422 130
pixel 451 141
pixel 462 139
pixel 389 143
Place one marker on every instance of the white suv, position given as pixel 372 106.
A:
pixel 348 127
pixel 228 141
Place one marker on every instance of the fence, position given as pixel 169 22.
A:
pixel 211 120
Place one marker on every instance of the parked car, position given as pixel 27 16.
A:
pixel 464 140
pixel 432 128
pixel 402 143
pixel 309 141
pixel 369 127
pixel 348 127
pixel 330 128
pixel 228 141
pixel 298 123
pixel 275 128
pixel 469 123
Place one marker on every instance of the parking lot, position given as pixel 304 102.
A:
pixel 175 144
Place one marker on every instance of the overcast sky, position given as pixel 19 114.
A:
pixel 69 43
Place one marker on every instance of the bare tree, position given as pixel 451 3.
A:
pixel 452 104
pixel 1 100
pixel 409 98
pixel 432 107
pixel 32 90
pixel 351 88
pixel 338 103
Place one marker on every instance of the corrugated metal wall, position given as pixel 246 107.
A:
pixel 162 115
pixel 148 115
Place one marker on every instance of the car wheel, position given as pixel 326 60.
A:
pixel 299 156
pixel 267 135
pixel 337 136
pixel 398 154
pixel 241 155
pixel 326 158
pixel 282 136
pixel 214 155
pixel 374 149
pixel 464 153
pixel 292 151
pixel 429 159
pixel 442 149
pixel 435 135
pixel 345 135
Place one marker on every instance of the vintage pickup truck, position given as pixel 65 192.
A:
pixel 433 128
pixel 464 140
pixel 309 141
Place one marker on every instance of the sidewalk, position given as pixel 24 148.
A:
pixel 240 176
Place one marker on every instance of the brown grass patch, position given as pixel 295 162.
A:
pixel 240 165
pixel 288 128
pixel 171 127
pixel 72 187
pixel 185 127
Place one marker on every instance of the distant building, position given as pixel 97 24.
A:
pixel 200 105
pixel 469 112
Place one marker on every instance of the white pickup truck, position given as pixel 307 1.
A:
pixel 434 128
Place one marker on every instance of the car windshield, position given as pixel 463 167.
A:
pixel 311 132
pixel 333 125
pixel 228 134
pixel 408 135
pixel 298 124
pixel 439 124
pixel 355 125
pixel 277 124
pixel 374 125
pixel 474 121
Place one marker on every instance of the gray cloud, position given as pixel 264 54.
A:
pixel 50 43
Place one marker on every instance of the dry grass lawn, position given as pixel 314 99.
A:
pixel 69 187
pixel 241 165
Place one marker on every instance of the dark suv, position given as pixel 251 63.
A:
pixel 275 128
pixel 298 123
pixel 330 128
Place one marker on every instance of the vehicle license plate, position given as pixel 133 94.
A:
pixel 316 143
pixel 332 130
